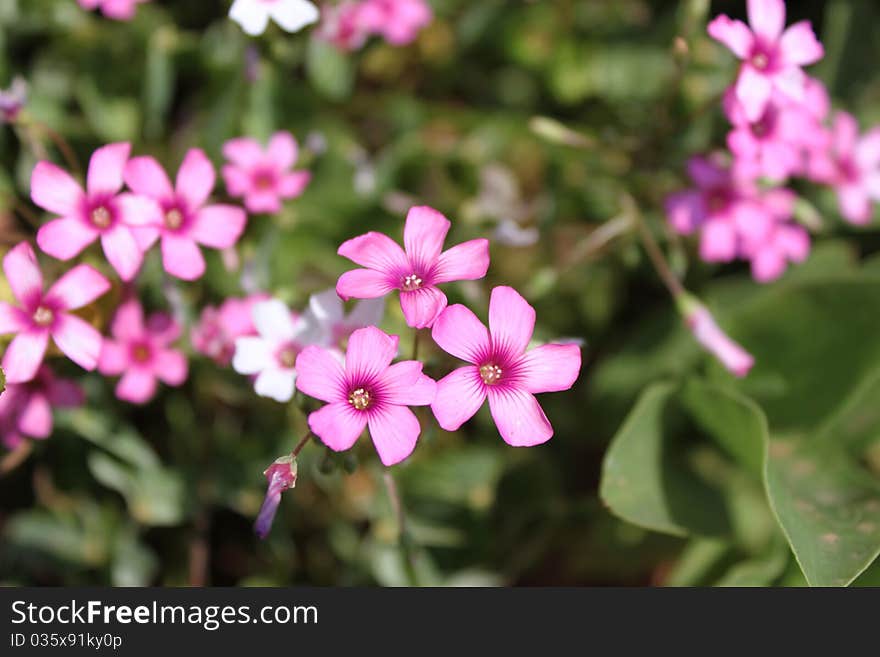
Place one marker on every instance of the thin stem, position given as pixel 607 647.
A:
pixel 62 145
pixel 598 239
pixel 403 537
pixel 24 210
pixel 16 457
pixel 302 443
pixel 670 280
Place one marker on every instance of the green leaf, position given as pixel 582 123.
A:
pixel 329 70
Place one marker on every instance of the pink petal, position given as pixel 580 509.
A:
pixel 105 169
pixel 768 264
pixel 23 273
pixel 855 204
pixel 293 184
pixel 868 150
pixel 791 81
pixel 734 34
pixel 24 355
pixel 799 45
pixel 767 17
pixel 195 178
pixel 66 237
pixel 320 375
pixel 706 173
pixel 338 425
pixel 114 358
pixel 53 189
pixel 128 322
pixel 685 211
pixel 519 417
pixel 424 234
pixel 375 251
pixel 511 320
pixel 458 332
pixel 36 417
pixel 369 353
pixel 282 150
pixel 137 385
pixel 363 284
pixel 404 384
pixel 78 339
pixel 549 368
pixel 12 319
pixel 718 242
pixel 237 180
pixel 421 307
pixel 846 133
pixel 707 332
pixel 264 201
pixel 218 226
pixel 464 262
pixel 78 287
pixel 753 91
pixel 459 396
pixel 394 430
pixel 122 251
pixel 65 394
pixel 145 176
pixel 145 236
pixel 170 366
pixel 244 151
pixel 163 328
pixel 138 210
pixel 182 257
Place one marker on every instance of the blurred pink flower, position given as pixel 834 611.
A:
pixel 734 358
pixel 214 335
pixel 398 21
pixel 263 178
pixel 328 310
pixel 290 15
pixel 501 369
pixel 341 26
pixel 26 408
pixel 120 10
pixel 850 164
pixel 416 272
pixel 12 100
pixel 100 211
pixel 772 58
pixel 366 391
pixel 140 351
pixel 281 476
pixel 43 315
pixel 182 218
pixel 784 242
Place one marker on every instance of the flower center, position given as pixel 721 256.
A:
pixel 287 356
pixel 760 129
pixel 263 181
pixel 140 353
pixel 411 282
pixel 716 201
pixel 173 219
pixel 101 217
pixel 43 316
pixel 490 373
pixel 760 61
pixel 360 399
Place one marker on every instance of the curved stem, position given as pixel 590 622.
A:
pixel 655 254
pixel 403 536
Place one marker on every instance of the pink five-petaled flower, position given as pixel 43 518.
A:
pixel 26 408
pixel 416 272
pixel 99 211
pixel 398 21
pixel 850 164
pixel 367 390
pixel 182 218
pixel 501 369
pixel 772 58
pixel 215 334
pixel 281 476
pixel 120 10
pixel 263 177
pixel 140 352
pixel 43 315
pixel 710 336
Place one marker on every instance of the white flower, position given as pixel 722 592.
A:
pixel 328 312
pixel 271 355
pixel 291 15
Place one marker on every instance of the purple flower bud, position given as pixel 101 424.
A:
pixel 281 476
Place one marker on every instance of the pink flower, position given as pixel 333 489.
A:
pixel 281 476
pixel 327 309
pixel 120 10
pixel 734 358
pixel 263 177
pixel 140 352
pixel 772 58
pixel 100 211
pixel 850 164
pixel 42 315
pixel 398 21
pixel 784 242
pixel 214 335
pixel 26 408
pixel 341 25
pixel 183 220
pixel 501 369
pixel 366 391
pixel 416 272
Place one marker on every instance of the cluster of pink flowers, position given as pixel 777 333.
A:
pixel 779 117
pixel 349 23
pixel 120 10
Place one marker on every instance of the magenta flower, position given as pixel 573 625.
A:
pixel 120 10
pixel 701 323
pixel 341 25
pixel 772 58
pixel 851 165
pixel 100 211
pixel 263 178
pixel 784 242
pixel 140 352
pixel 26 408
pixel 366 391
pixel 43 315
pixel 416 272
pixel 501 369
pixel 281 476
pixel 398 21
pixel 182 219
pixel 214 335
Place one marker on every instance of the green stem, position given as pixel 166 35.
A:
pixel 403 537
pixel 655 254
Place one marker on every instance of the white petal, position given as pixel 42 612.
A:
pixel 252 15
pixel 252 355
pixel 275 383
pixel 326 306
pixel 273 321
pixel 367 312
pixel 293 15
